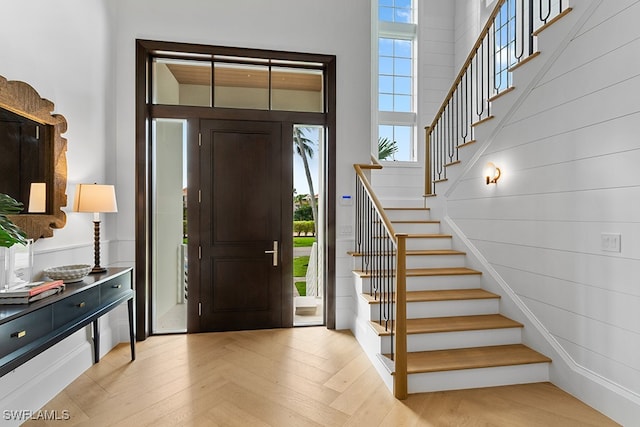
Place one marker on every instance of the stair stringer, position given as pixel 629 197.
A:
pixel 564 372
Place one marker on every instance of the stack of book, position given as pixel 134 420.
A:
pixel 30 292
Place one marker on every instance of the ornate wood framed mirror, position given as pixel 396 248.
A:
pixel 33 152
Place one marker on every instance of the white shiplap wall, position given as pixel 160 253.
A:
pixel 570 157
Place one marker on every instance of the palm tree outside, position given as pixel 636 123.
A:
pixel 305 148
pixel 386 148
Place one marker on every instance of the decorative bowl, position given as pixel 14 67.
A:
pixel 68 273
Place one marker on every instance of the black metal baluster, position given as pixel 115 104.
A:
pixel 390 275
pixel 469 100
pixel 479 85
pixel 546 17
pixel 489 76
pixel 358 241
pixel 497 53
pixel 530 32
pixel 465 90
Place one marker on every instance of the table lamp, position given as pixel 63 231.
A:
pixel 96 198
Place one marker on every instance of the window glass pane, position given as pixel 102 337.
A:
pixel 395 11
pixel 385 84
pixel 402 103
pixel 402 48
pixel 386 65
pixel 402 85
pixel 402 137
pixel 296 89
pixel 241 86
pixel 385 47
pixel 181 82
pixel 405 147
pixel 385 14
pixel 402 15
pixel 385 102
pixel 398 82
pixel 402 67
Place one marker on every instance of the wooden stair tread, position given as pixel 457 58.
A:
pixel 428 236
pixel 417 221
pixel 450 295
pixel 473 358
pixel 415 272
pixel 453 324
pixel 449 271
pixel 415 252
pixel 406 209
pixel 419 236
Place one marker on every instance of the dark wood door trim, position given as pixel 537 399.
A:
pixel 144 113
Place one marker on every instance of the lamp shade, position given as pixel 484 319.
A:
pixel 38 197
pixel 95 198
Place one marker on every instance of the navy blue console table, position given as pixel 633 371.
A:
pixel 27 330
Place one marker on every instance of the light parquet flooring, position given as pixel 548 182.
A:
pixel 285 377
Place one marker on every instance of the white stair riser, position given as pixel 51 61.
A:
pixel 369 339
pixel 462 339
pixel 401 203
pixel 408 215
pixel 417 310
pixel 418 261
pixel 426 243
pixel 416 228
pixel 476 378
pixel 429 309
pixel 428 283
pixel 435 261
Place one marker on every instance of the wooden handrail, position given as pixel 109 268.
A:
pixel 467 62
pixel 376 203
pixel 393 295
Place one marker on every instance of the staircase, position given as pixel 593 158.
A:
pixel 456 336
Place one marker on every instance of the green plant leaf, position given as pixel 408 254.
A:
pixel 10 234
pixel 386 148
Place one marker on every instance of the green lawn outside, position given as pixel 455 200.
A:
pixel 300 266
pixel 301 242
pixel 302 288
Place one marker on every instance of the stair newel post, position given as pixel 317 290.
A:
pixel 400 386
pixel 427 161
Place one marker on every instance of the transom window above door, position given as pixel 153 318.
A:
pixel 238 82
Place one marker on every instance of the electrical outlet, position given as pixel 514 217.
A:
pixel 610 242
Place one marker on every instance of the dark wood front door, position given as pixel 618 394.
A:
pixel 242 217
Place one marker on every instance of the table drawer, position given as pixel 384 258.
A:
pixel 75 306
pixel 25 329
pixel 114 288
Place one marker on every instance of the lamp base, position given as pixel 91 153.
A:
pixel 97 269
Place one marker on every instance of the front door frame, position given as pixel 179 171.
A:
pixel 145 112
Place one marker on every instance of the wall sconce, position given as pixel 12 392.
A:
pixel 95 198
pixel 491 173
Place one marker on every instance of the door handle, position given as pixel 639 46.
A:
pixel 274 252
